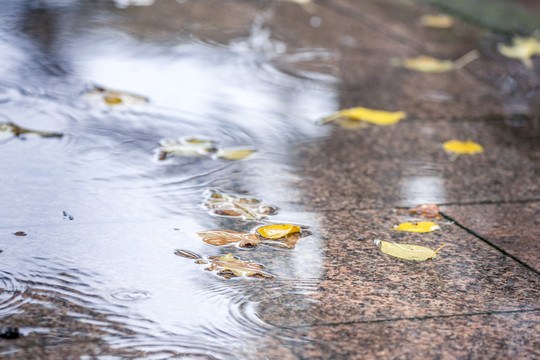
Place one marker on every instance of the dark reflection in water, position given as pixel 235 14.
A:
pixel 110 275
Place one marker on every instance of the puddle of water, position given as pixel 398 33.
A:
pixel 100 211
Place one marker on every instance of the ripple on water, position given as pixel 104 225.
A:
pixel 130 294
pixel 12 291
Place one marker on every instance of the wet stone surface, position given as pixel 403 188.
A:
pixel 94 216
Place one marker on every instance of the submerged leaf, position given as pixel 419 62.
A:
pixel 462 147
pixel 421 227
pixel 522 48
pixel 229 238
pixel 348 117
pixel 440 21
pixel 114 98
pixel 235 153
pixel 278 231
pixel 427 210
pixel 407 251
pixel 10 129
pixel 432 65
pixel 247 208
pixel 185 147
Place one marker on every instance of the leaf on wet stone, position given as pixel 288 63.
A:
pixel 278 231
pixel 8 130
pixel 439 21
pixel 187 254
pixel 358 117
pixel 114 98
pixel 462 147
pixel 522 48
pixel 229 238
pixel 248 208
pixel 419 227
pixel 427 210
pixel 185 147
pixel 235 153
pixel 407 251
pixel 430 64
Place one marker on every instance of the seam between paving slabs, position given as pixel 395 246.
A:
pixel 504 252
pixel 419 318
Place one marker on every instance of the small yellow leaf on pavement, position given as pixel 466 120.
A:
pixel 277 231
pixel 235 153
pixel 522 48
pixel 462 147
pixel 430 64
pixel 421 227
pixel 372 116
pixel 440 21
pixel 407 251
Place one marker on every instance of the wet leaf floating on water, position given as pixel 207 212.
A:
pixel 115 98
pixel 247 208
pixel 8 130
pixel 432 65
pixel 229 238
pixel 420 227
pixel 407 251
pixel 235 153
pixel 185 147
pixel 228 265
pixel 462 147
pixel 427 210
pixel 522 49
pixel 278 231
pixel 357 117
pixel 439 21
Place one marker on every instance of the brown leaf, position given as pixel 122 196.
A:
pixel 229 266
pixel 427 210
pixel 229 238
pixel 230 205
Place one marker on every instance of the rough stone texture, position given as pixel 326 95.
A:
pixel 515 228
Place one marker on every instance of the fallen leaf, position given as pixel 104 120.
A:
pixel 187 254
pixel 235 153
pixel 229 266
pixel 421 227
pixel 427 210
pixel 278 231
pixel 407 251
pixel 522 48
pixel 114 98
pixel 229 205
pixel 229 238
pixel 358 116
pixel 462 147
pixel 9 129
pixel 440 21
pixel 185 147
pixel 432 65
pixel 19 233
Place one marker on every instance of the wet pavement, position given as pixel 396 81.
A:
pixel 92 220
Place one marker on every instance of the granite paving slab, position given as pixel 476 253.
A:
pixel 515 228
pixel 405 164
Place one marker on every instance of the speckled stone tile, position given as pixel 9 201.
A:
pixel 515 228
pixel 493 336
pixel 405 164
pixel 359 283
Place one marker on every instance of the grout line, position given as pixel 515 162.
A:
pixel 420 318
pixel 504 252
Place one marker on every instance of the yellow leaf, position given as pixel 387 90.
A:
pixel 421 227
pixel 432 65
pixel 522 48
pixel 277 231
pixel 235 153
pixel 8 130
pixel 462 147
pixel 427 210
pixel 114 98
pixel 185 147
pixel 357 114
pixel 228 238
pixel 407 251
pixel 440 21
pixel 228 266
